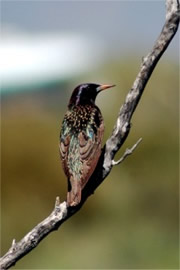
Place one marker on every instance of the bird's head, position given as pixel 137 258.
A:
pixel 86 93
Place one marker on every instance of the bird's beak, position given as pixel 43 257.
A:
pixel 104 86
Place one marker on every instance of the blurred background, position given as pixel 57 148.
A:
pixel 47 48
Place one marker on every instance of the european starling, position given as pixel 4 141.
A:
pixel 81 138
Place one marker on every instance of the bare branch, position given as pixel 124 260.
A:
pixel 126 153
pixel 122 127
pixel 172 6
pixel 32 239
pixel 120 132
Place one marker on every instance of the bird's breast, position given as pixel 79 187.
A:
pixel 81 117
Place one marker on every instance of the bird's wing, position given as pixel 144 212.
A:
pixel 89 151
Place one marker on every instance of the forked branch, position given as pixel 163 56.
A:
pixel 120 132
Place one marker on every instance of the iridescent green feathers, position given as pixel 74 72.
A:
pixel 80 147
pixel 81 139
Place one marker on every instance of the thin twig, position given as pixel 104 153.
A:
pixel 126 153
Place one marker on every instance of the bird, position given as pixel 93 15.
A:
pixel 81 138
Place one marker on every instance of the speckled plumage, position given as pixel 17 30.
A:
pixel 81 139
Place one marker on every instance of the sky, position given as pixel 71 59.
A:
pixel 122 25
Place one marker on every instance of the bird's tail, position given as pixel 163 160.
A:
pixel 74 192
